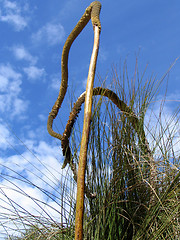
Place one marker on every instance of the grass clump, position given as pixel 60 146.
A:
pixel 137 191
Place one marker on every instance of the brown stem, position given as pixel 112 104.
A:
pixel 85 137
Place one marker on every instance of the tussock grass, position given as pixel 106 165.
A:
pixel 137 192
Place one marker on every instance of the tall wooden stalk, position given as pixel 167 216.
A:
pixel 85 136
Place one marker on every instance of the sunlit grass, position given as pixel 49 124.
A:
pixel 137 192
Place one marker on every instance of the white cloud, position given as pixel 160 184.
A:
pixel 162 126
pixel 56 82
pixel 23 204
pixel 31 71
pixel 11 13
pixel 19 107
pixel 22 54
pixel 8 72
pixel 40 164
pixel 34 72
pixel 10 5
pixel 10 88
pixel 52 33
pixel 3 83
pixel 42 117
pixel 24 181
pixel 5 137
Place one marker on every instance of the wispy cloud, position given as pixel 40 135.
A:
pixel 34 73
pixel 50 33
pixel 10 89
pixel 22 54
pixel 5 136
pixel 32 181
pixel 11 12
pixel 162 126
pixel 55 82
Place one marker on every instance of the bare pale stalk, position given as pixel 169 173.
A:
pixel 85 136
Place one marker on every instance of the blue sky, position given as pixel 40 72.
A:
pixel 32 37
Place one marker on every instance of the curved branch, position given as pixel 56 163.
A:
pixel 73 116
pixel 91 12
pixel 119 103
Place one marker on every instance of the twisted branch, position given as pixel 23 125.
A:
pixel 91 12
pixel 72 119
